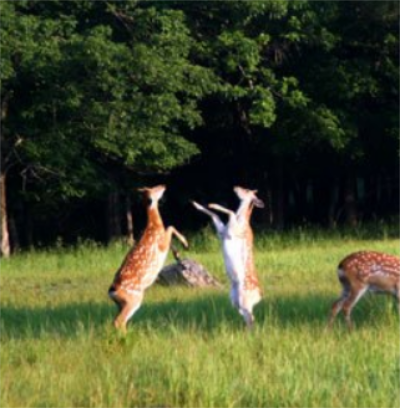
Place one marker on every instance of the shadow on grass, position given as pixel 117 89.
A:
pixel 206 313
pixel 314 309
pixel 64 320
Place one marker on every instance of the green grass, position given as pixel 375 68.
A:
pixel 188 347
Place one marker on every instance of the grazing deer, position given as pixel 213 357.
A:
pixel 361 272
pixel 237 245
pixel 143 263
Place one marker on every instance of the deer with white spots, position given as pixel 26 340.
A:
pixel 236 237
pixel 361 272
pixel 143 263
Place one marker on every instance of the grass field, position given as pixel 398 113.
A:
pixel 188 347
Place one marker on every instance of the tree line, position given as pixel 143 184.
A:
pixel 297 99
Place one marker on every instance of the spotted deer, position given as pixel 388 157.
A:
pixel 143 263
pixel 361 272
pixel 236 237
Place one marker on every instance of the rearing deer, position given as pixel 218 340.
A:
pixel 143 263
pixel 361 272
pixel 237 245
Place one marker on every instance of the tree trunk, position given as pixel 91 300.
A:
pixel 301 204
pixel 5 237
pixel 370 196
pixel 129 221
pixel 113 216
pixel 280 198
pixel 28 227
pixel 333 194
pixel 13 232
pixel 350 200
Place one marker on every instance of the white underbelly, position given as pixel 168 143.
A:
pixel 378 290
pixel 156 267
pixel 233 259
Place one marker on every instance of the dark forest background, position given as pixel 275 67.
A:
pixel 297 99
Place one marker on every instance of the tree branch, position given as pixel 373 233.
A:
pixel 123 18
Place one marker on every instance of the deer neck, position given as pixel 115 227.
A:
pixel 154 219
pixel 244 211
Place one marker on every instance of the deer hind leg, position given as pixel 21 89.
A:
pixel 249 318
pixel 234 295
pixel 355 295
pixel 128 306
pixel 397 297
pixel 246 308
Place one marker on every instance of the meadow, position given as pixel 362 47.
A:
pixel 188 347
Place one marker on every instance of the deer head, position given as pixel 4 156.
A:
pixel 153 194
pixel 248 196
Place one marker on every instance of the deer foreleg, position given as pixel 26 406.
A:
pixel 219 225
pixel 222 209
pixel 172 231
pixel 232 226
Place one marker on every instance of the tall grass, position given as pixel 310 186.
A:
pixel 188 347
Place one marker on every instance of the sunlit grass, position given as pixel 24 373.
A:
pixel 188 347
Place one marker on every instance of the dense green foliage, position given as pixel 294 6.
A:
pixel 188 347
pixel 299 99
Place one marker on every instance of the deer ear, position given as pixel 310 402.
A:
pixel 239 192
pixel 258 203
pixel 143 189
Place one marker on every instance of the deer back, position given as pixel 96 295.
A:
pixel 373 268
